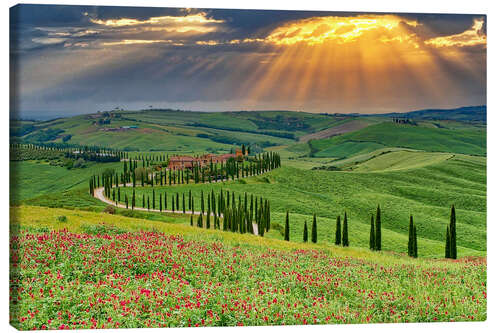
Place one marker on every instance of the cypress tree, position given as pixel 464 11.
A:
pixel 345 232
pixel 378 231
pixel 287 228
pixel 411 241
pixel 173 203
pixel 177 201
pixel 415 248
pixel 447 246
pixel 338 232
pixel 372 234
pixel 133 199
pixel 200 221
pixel 191 219
pixel 304 236
pixel 314 231
pixel 202 203
pixel 154 199
pixel 208 212
pixel 183 203
pixel 453 234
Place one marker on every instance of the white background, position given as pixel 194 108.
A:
pixel 419 6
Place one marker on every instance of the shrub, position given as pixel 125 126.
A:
pixel 99 229
pixel 62 218
pixel 278 227
pixel 110 210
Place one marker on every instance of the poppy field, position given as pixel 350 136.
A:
pixel 105 275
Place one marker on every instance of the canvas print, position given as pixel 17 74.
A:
pixel 180 167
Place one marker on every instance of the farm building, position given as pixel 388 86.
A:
pixel 182 162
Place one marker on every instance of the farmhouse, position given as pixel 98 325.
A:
pixel 182 162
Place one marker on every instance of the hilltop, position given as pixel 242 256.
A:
pixel 466 113
pixel 193 132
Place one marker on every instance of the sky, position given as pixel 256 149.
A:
pixel 68 60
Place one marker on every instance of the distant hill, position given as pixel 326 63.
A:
pixel 388 134
pixel 466 113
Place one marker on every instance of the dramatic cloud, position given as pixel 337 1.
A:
pixel 471 37
pixel 199 18
pixel 318 30
pixel 81 59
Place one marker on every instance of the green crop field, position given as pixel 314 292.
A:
pixel 387 134
pixel 29 179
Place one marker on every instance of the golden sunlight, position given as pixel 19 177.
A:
pixel 352 59
pixel 317 30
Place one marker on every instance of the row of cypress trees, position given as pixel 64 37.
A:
pixel 215 171
pixel 237 215
pixel 342 234
pixel 376 231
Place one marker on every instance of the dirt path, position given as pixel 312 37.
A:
pixel 99 194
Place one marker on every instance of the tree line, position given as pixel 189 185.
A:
pixel 230 170
pixel 222 210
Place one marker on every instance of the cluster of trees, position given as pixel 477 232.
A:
pixel 236 214
pixel 241 217
pixel 24 152
pixel 93 156
pixel 42 135
pixel 89 153
pixel 278 134
pixel 135 175
pixel 342 234
pixel 405 121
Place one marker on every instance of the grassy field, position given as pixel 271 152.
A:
pixel 401 160
pixel 154 274
pixel 183 132
pixel 30 179
pixel 78 263
pixel 388 134
pixel 426 192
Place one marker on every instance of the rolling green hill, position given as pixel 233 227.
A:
pixel 407 169
pixel 176 131
pixel 388 134
pixel 400 160
pixel 467 113
pixel 427 192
